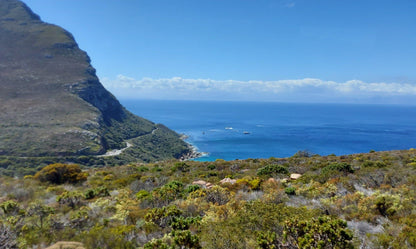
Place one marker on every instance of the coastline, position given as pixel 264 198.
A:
pixel 194 151
pixel 278 131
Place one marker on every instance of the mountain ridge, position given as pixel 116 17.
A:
pixel 53 103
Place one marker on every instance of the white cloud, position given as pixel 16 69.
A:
pixel 290 5
pixel 305 90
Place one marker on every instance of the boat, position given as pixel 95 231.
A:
pixel 228 128
pixel 246 132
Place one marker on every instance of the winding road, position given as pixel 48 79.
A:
pixel 118 152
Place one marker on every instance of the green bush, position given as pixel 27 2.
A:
pixel 211 167
pixel 323 232
pixel 384 204
pixel 180 166
pixel 97 192
pixel 303 153
pixel 290 191
pixel 72 198
pixel 181 223
pixel 9 207
pixel 377 164
pixel 156 244
pixel 341 167
pixel 368 163
pixel 185 239
pixel 143 169
pixel 192 188
pixel 162 216
pixel 89 194
pixel 59 173
pixel 169 192
pixel 272 169
pixel 143 194
pixel 267 240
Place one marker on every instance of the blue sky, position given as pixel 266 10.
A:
pixel 355 51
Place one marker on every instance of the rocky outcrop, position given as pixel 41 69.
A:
pixel 295 176
pixel 203 184
pixel 228 180
pixel 52 101
pixel 66 245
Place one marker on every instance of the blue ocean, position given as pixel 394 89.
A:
pixel 241 130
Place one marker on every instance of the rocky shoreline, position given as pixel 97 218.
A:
pixel 193 150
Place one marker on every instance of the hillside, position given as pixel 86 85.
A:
pixel 52 103
pixel 305 201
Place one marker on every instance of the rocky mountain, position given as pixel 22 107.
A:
pixel 52 103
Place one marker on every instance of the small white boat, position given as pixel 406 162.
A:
pixel 228 128
pixel 246 132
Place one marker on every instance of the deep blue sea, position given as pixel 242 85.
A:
pixel 241 130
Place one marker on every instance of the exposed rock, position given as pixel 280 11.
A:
pixel 203 184
pixel 199 182
pixel 228 180
pixel 295 176
pixel 52 103
pixel 66 245
pixel 271 180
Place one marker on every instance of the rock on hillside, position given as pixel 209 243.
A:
pixel 52 103
pixel 66 245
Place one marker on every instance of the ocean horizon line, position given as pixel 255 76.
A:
pixel 121 99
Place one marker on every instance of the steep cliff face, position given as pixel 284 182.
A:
pixel 51 100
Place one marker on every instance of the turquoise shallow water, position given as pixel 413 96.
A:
pixel 241 130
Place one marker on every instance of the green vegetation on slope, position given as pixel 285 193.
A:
pixel 361 200
pixel 159 144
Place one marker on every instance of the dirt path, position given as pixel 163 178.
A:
pixel 118 152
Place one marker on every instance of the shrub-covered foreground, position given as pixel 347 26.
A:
pixel 355 201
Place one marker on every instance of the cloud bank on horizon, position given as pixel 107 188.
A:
pixel 307 90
